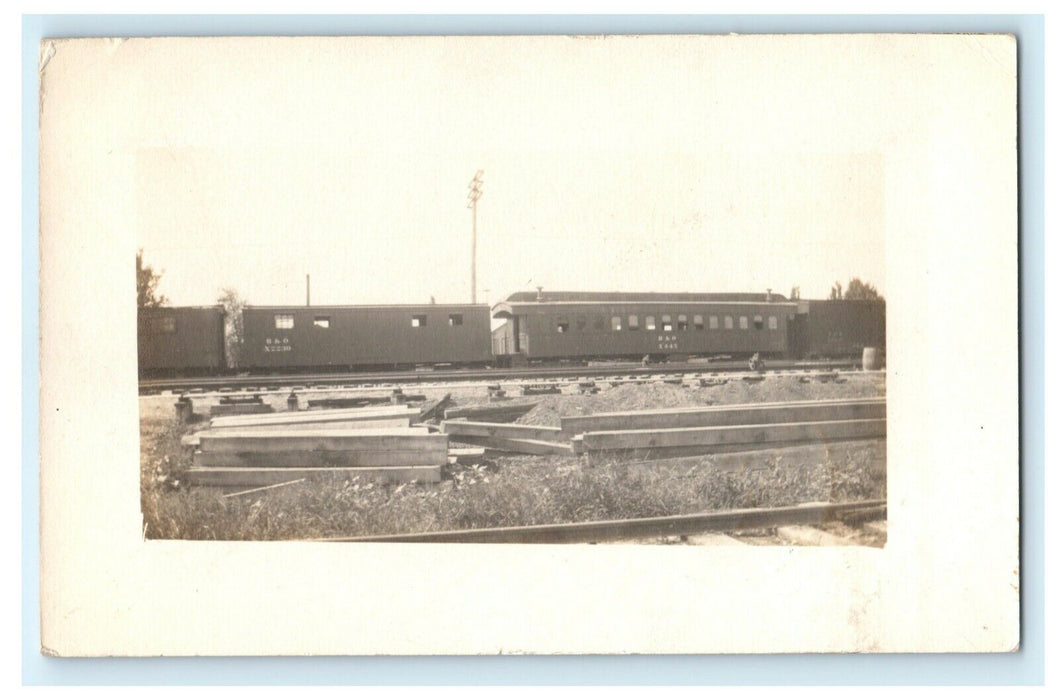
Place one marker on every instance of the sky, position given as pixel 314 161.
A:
pixel 634 164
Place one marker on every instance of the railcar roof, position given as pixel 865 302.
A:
pixel 506 309
pixel 551 297
pixel 366 306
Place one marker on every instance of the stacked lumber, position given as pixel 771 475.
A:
pixel 233 458
pixel 262 450
pixel 682 431
pixel 506 437
pixel 704 430
pixel 737 414
pixel 673 442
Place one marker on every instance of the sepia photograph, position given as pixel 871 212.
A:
pixel 584 316
pixel 662 300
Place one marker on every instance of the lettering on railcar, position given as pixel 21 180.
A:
pixel 667 342
pixel 277 345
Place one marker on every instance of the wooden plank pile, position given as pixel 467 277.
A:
pixel 737 414
pixel 259 450
pixel 684 431
pixel 704 430
pixel 508 437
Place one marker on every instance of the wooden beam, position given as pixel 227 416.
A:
pixel 503 430
pixel 232 440
pixel 371 425
pixel 428 474
pixel 321 458
pixel 500 414
pixel 704 416
pixel 530 447
pixel 432 409
pixel 728 436
pixel 465 455
pixel 321 448
pixel 319 417
pixel 352 429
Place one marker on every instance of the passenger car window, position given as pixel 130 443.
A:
pixel 284 321
pixel 682 322
pixel 714 325
pixel 455 319
pixel 759 322
pixel 634 323
pixel 615 323
pixel 419 321
pixel 772 323
pixel 697 320
pixel 743 325
pixel 322 321
pixel 562 326
pixel 667 323
pixel 649 323
pixel 728 323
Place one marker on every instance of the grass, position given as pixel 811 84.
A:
pixel 515 490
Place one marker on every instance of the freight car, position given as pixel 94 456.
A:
pixel 838 328
pixel 182 340
pixel 583 326
pixel 364 337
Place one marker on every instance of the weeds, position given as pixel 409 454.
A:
pixel 513 490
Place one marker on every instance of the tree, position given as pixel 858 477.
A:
pixel 233 325
pixel 146 285
pixel 836 291
pixel 796 293
pixel 861 290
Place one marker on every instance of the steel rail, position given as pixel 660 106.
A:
pixel 606 530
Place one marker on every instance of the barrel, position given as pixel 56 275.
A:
pixel 870 359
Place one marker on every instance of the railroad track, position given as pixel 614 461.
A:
pixel 375 380
pixel 789 518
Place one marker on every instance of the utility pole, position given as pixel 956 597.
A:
pixel 472 203
pixel 307 289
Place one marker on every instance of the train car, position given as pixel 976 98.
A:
pixel 834 328
pixel 323 337
pixel 583 326
pixel 186 340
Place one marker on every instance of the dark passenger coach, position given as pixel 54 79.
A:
pixel 321 337
pixel 586 325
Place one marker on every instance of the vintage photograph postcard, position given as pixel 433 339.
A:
pixel 549 344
